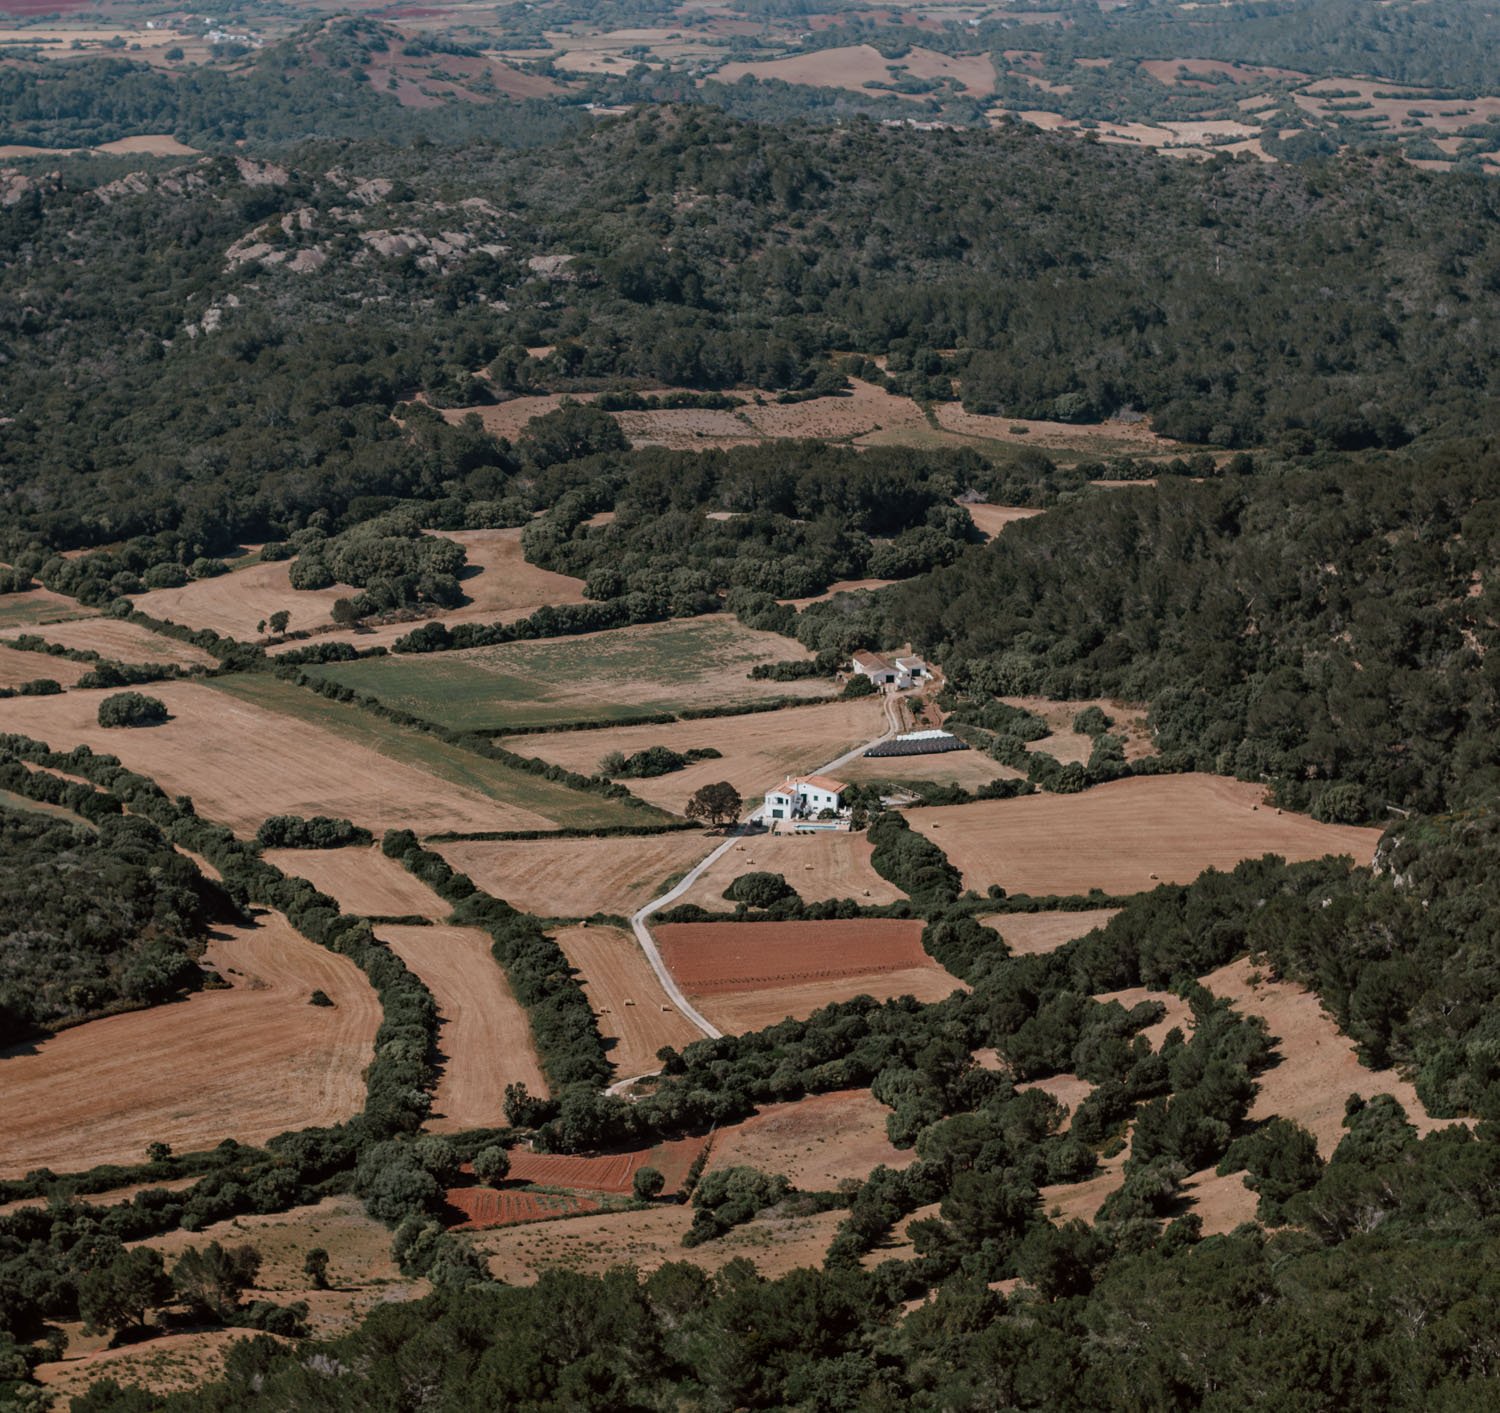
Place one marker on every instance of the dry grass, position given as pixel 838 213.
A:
pixel 247 1062
pixel 361 1273
pixel 577 877
pixel 36 607
pixel 484 1037
pixel 362 881
pixel 1127 836
pixel 817 1142
pixel 241 762
pixel 1318 1066
pixel 971 770
pixel 757 750
pixel 126 642
pixel 855 66
pixel 18 667
pixel 1028 934
pixel 171 1363
pixel 652 1238
pixel 818 866
pixel 1096 438
pixel 990 520
pixel 238 602
pixel 635 1017
pixel 1069 745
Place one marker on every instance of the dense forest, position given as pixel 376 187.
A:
pixel 92 919
pixel 1341 305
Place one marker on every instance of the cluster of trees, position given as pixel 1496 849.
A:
pixel 1327 628
pixel 92 919
pixel 132 709
pixel 653 761
pixel 319 831
pixel 388 558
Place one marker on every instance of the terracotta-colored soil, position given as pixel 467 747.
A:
pixel 757 750
pixel 1127 836
pixel 608 1172
pixel 710 957
pixel 241 762
pixel 652 1238
pixel 1027 934
pixel 577 877
pixel 18 667
pixel 485 1207
pixel 634 1014
pixel 817 1142
pixel 484 1036
pixel 818 866
pixel 745 976
pixel 123 641
pixel 247 1063
pixel 362 880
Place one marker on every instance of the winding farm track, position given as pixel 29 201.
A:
pixel 638 922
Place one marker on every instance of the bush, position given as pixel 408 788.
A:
pixel 132 709
pixel 492 1165
pixel 319 831
pixel 859 686
pixel 759 890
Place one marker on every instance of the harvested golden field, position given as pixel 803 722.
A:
pixel 247 1062
pixel 635 1016
pixel 237 603
pixel 126 642
pixel 758 750
pixel 858 66
pixel 1028 934
pixel 818 866
pixel 990 520
pixel 651 1238
pixel 577 877
pixel 841 586
pixel 817 1142
pixel 362 881
pixel 18 667
pixel 484 1037
pixel 1128 835
pixel 971 770
pixel 241 762
pixel 1129 725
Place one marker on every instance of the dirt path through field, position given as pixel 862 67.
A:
pixel 248 1062
pixel 484 1036
pixel 643 932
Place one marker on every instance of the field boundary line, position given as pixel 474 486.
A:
pixel 638 921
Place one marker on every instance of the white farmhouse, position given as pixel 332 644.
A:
pixel 881 671
pixel 804 797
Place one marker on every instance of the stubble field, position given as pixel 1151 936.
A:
pixel 1127 836
pixel 247 1062
pixel 484 1036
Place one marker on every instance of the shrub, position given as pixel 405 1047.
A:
pixel 492 1164
pixel 759 890
pixel 132 709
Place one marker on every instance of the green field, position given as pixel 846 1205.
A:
pixel 563 805
pixel 20 610
pixel 619 675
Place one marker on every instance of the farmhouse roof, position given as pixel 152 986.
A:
pixel 910 662
pixel 818 782
pixel 872 662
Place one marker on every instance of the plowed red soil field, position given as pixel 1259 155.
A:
pixel 708 957
pixel 485 1207
pixel 607 1172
